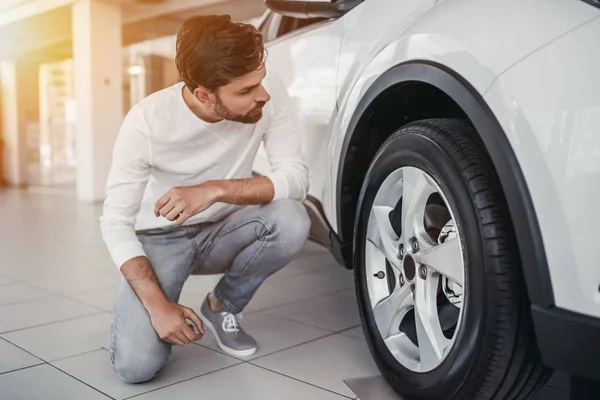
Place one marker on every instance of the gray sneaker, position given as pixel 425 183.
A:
pixel 229 334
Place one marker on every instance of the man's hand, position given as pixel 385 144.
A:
pixel 168 318
pixel 183 202
pixel 169 321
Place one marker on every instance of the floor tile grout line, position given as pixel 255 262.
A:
pixel 77 355
pixel 344 332
pixel 22 368
pixel 21 348
pixel 303 323
pixel 218 351
pixel 16 280
pixel 61 295
pixel 307 342
pixel 32 283
pixel 185 380
pixel 318 297
pixel 77 379
pixel 65 296
pixel 293 347
pixel 52 323
pixel 329 334
pixel 27 301
pixel 300 380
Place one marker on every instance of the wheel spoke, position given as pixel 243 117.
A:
pixel 432 342
pixel 390 311
pixel 388 242
pixel 415 192
pixel 445 258
pixel 394 262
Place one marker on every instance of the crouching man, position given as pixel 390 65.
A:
pixel 181 198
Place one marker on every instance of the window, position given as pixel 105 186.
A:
pixel 289 24
pixel 276 25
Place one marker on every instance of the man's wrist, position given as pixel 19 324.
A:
pixel 217 189
pixel 154 301
pixel 256 190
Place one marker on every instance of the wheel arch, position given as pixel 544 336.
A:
pixel 451 96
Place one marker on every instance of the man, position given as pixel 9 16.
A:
pixel 181 198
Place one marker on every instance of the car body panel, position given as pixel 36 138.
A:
pixel 329 67
pixel 441 34
pixel 429 38
pixel 553 125
pixel 307 62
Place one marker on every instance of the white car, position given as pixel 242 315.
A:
pixel 454 154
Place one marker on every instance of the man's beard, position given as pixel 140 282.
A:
pixel 251 117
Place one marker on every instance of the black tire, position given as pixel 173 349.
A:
pixel 495 355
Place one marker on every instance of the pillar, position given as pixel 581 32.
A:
pixel 19 90
pixel 97 63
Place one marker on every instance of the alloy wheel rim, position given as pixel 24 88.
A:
pixel 415 269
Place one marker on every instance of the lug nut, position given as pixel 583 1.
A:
pixel 415 245
pixel 423 272
pixel 401 252
pixel 402 281
pixel 379 275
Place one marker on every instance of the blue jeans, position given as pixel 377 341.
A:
pixel 247 247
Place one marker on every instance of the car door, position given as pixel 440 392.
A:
pixel 304 53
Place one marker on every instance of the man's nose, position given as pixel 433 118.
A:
pixel 263 96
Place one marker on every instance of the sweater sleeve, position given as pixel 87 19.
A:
pixel 283 146
pixel 127 179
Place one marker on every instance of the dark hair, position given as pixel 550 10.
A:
pixel 212 51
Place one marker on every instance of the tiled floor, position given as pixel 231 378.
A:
pixel 56 294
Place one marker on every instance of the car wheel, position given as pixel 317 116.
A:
pixel 441 292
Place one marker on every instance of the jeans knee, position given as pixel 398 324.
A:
pixel 137 368
pixel 291 224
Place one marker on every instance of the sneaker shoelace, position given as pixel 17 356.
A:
pixel 230 323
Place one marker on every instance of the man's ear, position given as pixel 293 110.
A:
pixel 204 96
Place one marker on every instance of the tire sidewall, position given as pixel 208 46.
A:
pixel 413 149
